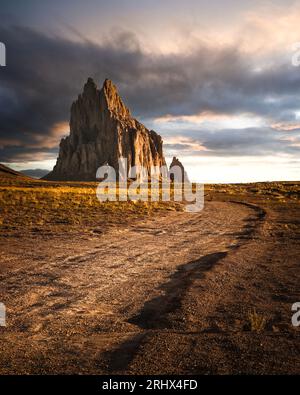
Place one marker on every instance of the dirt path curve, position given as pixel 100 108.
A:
pixel 87 304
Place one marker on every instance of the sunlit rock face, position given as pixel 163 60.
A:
pixel 101 131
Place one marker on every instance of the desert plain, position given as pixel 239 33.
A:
pixel 147 288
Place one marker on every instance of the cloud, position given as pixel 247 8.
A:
pixel 44 74
pixel 20 154
pixel 56 132
pixel 250 142
pixel 287 126
pixel 183 144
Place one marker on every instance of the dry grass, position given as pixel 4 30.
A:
pixel 55 206
pixel 269 192
pixel 38 204
pixel 257 322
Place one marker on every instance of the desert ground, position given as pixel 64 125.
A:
pixel 135 288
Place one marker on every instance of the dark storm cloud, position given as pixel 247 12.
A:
pixel 23 153
pixel 235 142
pixel 44 74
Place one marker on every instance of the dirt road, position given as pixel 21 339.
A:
pixel 170 294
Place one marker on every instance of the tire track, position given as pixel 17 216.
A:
pixel 129 280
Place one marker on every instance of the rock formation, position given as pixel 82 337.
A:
pixel 101 131
pixel 179 174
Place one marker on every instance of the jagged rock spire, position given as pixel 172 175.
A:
pixel 101 131
pixel 113 100
pixel 178 176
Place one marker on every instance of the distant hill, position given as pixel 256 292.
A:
pixel 8 172
pixel 35 173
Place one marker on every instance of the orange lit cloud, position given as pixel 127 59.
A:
pixel 51 140
pixel 286 127
pixel 186 143
pixel 197 118
pixel 214 120
pixel 7 142
pixel 267 29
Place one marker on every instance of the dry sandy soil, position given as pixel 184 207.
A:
pixel 171 292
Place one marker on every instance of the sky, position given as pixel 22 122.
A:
pixel 216 79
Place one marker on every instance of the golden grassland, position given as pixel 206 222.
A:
pixel 37 205
pixel 53 206
pixel 285 192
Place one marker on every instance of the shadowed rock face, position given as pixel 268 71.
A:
pixel 101 131
pixel 175 174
